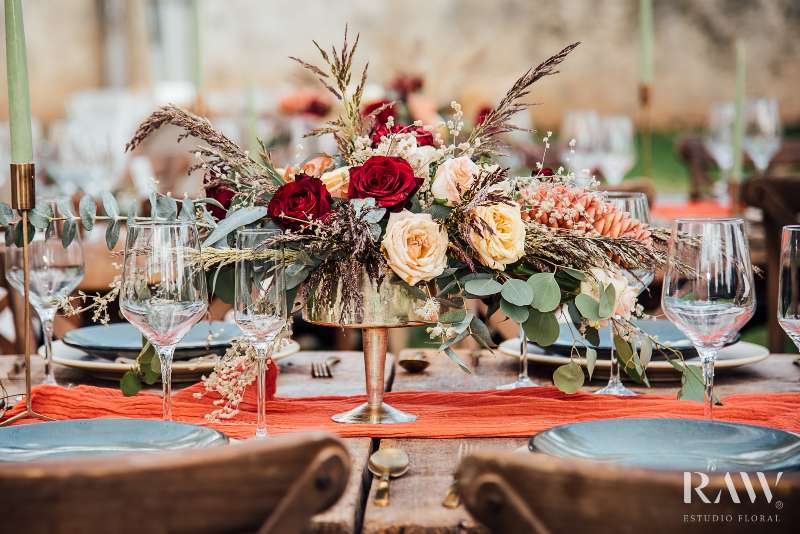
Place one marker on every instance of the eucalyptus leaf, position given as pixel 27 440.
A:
pixel 65 208
pixel 592 335
pixel 374 215
pixel 591 359
pixel 577 275
pixel 623 352
pixel 440 212
pixel 546 292
pixel 518 314
pixel 453 316
pixel 454 356
pixel 692 385
pixel 237 219
pixel 645 351
pixel 608 297
pixel 18 233
pixel 187 209
pixel 39 216
pixel 9 234
pixel 212 201
pixel 110 205
pixel 70 230
pixel 166 208
pixel 6 214
pixel 568 377
pixel 541 328
pixel 88 211
pixel 130 384
pixel 112 234
pixel 588 307
pixel 375 231
pixel 483 287
pixel 516 292
pixel 481 333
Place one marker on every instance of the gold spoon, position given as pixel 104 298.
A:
pixel 415 364
pixel 386 463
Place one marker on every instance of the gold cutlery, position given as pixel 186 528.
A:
pixel 385 464
pixel 453 497
pixel 323 369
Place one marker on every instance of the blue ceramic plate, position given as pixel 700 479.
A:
pixel 662 329
pixel 674 444
pixel 123 340
pixel 85 437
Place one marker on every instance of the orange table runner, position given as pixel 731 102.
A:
pixel 515 413
pixel 664 211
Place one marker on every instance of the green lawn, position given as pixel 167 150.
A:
pixel 669 173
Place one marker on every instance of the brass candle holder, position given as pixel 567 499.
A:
pixel 23 199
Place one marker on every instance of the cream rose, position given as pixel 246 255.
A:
pixel 624 294
pixel 453 177
pixel 503 242
pixel 337 181
pixel 415 246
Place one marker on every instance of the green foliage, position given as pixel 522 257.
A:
pixel 235 220
pixel 516 292
pixel 482 287
pixel 541 327
pixel 546 291
pixel 518 314
pixel 591 360
pixel 568 377
pixel 88 210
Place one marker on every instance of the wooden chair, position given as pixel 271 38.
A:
pixel 779 200
pixel 274 485
pixel 515 492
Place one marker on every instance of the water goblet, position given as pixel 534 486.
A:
pixel 708 288
pixel 163 290
pixel 55 272
pixel 617 148
pixel 789 283
pixel 523 380
pixel 762 135
pixel 260 309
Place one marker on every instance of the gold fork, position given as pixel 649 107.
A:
pixel 323 369
pixel 453 497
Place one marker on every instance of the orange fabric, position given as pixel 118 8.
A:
pixel 702 208
pixel 515 413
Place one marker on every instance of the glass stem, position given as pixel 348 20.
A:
pixel 47 334
pixel 707 358
pixel 263 351
pixel 165 357
pixel 613 368
pixel 523 356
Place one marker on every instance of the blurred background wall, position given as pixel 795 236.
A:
pixel 470 50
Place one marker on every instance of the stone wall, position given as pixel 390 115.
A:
pixel 467 49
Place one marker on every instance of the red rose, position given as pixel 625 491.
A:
pixel 383 116
pixel 389 180
pixel 483 112
pixel 304 199
pixel 545 171
pixel 404 84
pixel 222 194
pixel 424 137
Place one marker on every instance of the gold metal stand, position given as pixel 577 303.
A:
pixel 23 199
pixel 645 99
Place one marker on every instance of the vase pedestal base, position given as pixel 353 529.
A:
pixel 382 414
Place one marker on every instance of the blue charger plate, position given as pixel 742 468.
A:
pixel 86 437
pixel 673 444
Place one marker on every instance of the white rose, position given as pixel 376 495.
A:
pixel 625 295
pixel 337 181
pixel 503 242
pixel 453 177
pixel 415 246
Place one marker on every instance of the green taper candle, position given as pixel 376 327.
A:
pixel 197 51
pixel 646 67
pixel 19 104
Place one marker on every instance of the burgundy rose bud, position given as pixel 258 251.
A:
pixel 222 194
pixel 483 112
pixel 389 180
pixel 317 107
pixel 383 116
pixel 304 199
pixel 405 84
pixel 545 171
pixel 424 137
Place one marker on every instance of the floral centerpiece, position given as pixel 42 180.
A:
pixel 404 204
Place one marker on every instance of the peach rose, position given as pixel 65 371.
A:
pixel 625 295
pixel 503 242
pixel 337 181
pixel 452 178
pixel 415 246
pixel 316 166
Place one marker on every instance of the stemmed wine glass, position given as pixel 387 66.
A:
pixel 708 287
pixel 719 141
pixel 260 304
pixel 762 136
pixel 55 272
pixel 583 127
pixel 639 279
pixel 789 283
pixel 163 288
pixel 618 148
pixel 523 380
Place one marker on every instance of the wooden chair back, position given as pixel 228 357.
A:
pixel 534 493
pixel 272 486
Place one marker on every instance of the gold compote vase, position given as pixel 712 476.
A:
pixel 389 304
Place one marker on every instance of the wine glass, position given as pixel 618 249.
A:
pixel 618 148
pixel 719 143
pixel 789 283
pixel 260 308
pixel 523 380
pixel 637 206
pixel 708 287
pixel 762 135
pixel 163 288
pixel 55 272
pixel 584 128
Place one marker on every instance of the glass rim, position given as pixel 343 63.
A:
pixel 161 222
pixel 245 231
pixel 792 228
pixel 625 194
pixel 720 220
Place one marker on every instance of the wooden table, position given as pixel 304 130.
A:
pixel 416 497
